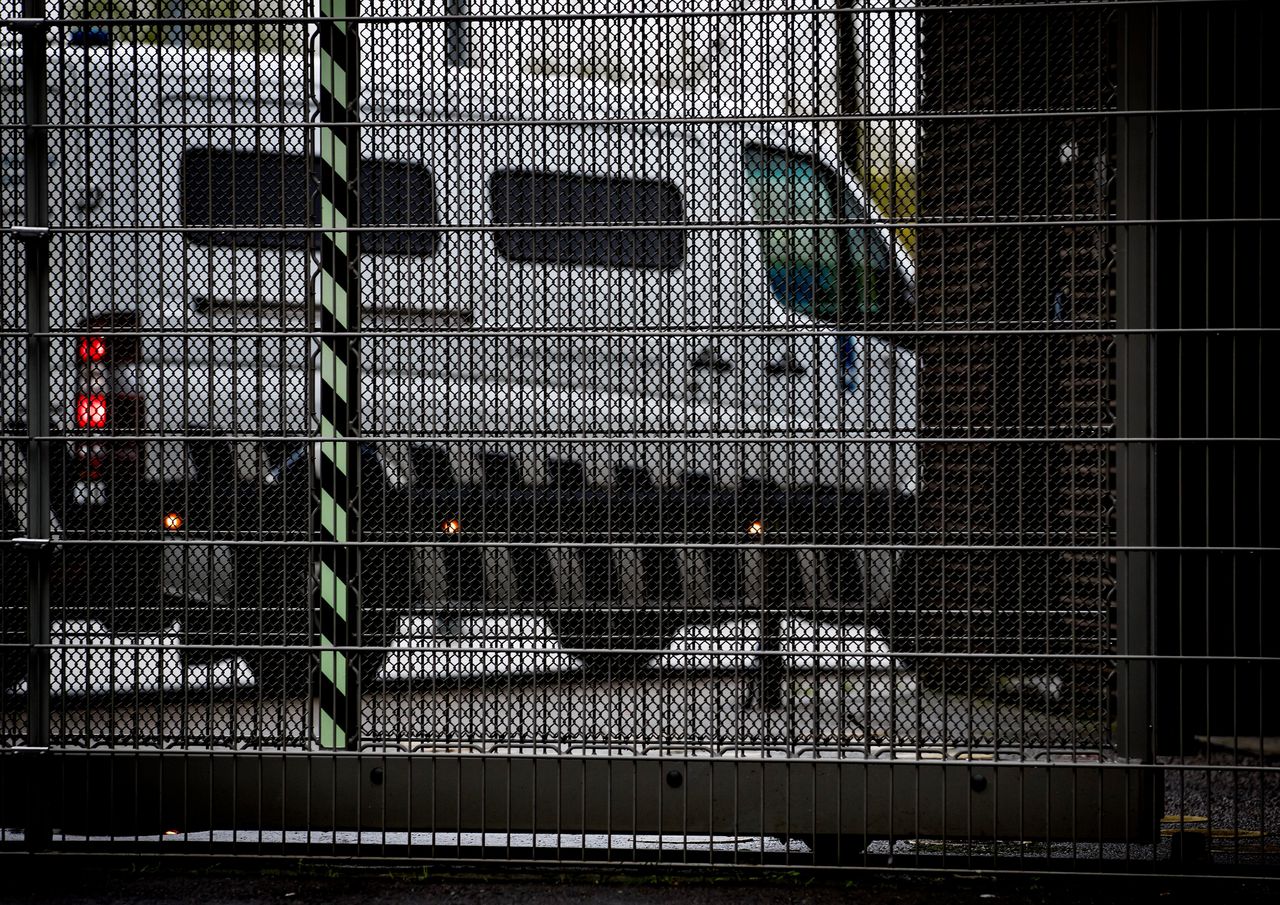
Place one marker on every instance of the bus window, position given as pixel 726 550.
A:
pixel 565 199
pixel 833 272
pixel 263 196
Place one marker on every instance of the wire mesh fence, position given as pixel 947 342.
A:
pixel 692 429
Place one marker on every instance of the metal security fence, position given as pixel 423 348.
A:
pixel 786 433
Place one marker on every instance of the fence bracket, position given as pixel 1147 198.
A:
pixel 25 24
pixel 30 233
pixel 31 545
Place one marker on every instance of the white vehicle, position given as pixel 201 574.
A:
pixel 593 334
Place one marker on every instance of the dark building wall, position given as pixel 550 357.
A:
pixel 1221 166
pixel 1004 266
pixel 1212 493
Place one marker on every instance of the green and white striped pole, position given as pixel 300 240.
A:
pixel 339 288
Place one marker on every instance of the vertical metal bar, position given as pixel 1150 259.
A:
pixel 175 33
pixel 1134 388
pixel 457 34
pixel 36 262
pixel 339 288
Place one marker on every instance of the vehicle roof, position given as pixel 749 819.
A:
pixel 428 92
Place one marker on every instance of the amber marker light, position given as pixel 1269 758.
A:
pixel 451 526
pixel 172 522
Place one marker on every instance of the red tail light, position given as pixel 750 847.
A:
pixel 91 410
pixel 107 405
pixel 111 337
pixel 92 349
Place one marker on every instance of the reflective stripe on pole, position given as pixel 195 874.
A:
pixel 339 287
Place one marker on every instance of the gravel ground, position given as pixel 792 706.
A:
pixel 1211 787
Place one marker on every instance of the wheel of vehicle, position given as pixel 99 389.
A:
pixel 13 604
pixel 833 849
pixel 606 640
pixel 278 610
pixel 908 618
pixel 116 586
pixel 13 634
pixel 277 607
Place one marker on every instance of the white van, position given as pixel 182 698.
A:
pixel 594 373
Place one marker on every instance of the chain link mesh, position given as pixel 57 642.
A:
pixel 738 379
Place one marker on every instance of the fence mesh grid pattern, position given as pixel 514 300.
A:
pixel 728 380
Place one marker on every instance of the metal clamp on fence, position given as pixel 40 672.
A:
pixel 30 233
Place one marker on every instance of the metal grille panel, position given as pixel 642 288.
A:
pixel 737 414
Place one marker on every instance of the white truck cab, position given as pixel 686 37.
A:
pixel 573 289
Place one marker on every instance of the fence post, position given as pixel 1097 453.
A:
pixel 1133 391
pixel 339 287
pixel 35 233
